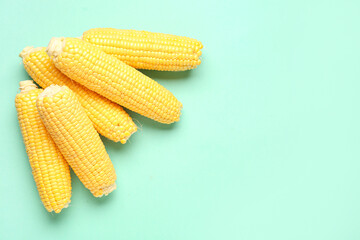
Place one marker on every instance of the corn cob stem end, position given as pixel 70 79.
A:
pixel 51 91
pixel 26 86
pixel 28 50
pixel 55 46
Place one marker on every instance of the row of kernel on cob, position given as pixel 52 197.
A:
pixel 86 82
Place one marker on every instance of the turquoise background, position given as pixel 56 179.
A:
pixel 268 143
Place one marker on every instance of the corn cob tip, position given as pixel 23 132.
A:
pixel 55 46
pixel 28 50
pixel 51 91
pixel 59 209
pixel 26 86
pixel 107 190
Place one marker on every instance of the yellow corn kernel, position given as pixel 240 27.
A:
pixel 77 139
pixel 113 79
pixel 147 50
pixel 50 170
pixel 109 119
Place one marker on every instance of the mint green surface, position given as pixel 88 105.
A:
pixel 268 146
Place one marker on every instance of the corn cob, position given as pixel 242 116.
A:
pixel 109 119
pixel 112 78
pixel 147 50
pixel 77 139
pixel 50 170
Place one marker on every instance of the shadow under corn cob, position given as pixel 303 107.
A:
pixel 113 79
pixel 109 119
pixel 50 170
